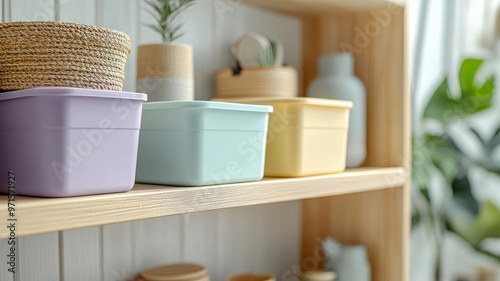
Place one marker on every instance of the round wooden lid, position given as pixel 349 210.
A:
pixel 176 272
pixel 319 276
pixel 252 277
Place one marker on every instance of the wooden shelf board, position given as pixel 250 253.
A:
pixel 320 7
pixel 39 215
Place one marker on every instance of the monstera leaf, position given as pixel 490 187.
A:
pixel 485 225
pixel 473 98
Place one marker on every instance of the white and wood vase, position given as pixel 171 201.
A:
pixel 165 72
pixel 279 82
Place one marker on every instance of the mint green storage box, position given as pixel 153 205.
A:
pixel 195 143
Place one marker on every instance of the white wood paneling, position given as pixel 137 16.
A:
pixel 81 254
pixel 78 11
pixel 200 240
pixel 122 15
pixel 117 252
pixel 4 267
pixel 155 242
pixel 38 258
pixel 32 10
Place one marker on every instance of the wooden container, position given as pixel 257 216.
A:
pixel 257 82
pixel 175 272
pixel 165 72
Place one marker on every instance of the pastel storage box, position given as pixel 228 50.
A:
pixel 61 142
pixel 307 136
pixel 194 143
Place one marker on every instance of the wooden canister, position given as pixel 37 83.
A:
pixel 253 82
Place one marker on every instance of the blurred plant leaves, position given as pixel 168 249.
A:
pixel 467 75
pixel 473 98
pixel 435 151
pixel 485 224
pixel 440 105
pixel 462 194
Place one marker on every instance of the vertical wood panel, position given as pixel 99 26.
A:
pixel 156 242
pixel 381 221
pixel 78 11
pixel 200 240
pixel 4 267
pixel 38 257
pixel 81 254
pixel 32 10
pixel 117 252
pixel 122 15
pixel 373 219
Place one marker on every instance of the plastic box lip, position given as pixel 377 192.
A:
pixel 295 101
pixel 71 92
pixel 207 105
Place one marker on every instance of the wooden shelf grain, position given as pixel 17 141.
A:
pixel 320 7
pixel 40 215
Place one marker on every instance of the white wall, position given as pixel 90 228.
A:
pixel 261 238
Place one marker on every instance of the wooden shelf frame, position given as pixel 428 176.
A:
pixel 321 7
pixel 40 215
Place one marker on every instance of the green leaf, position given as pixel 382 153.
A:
pixel 444 157
pixel 478 136
pixel 462 194
pixel 421 160
pixel 483 96
pixel 415 219
pixel 441 106
pixel 494 141
pixel 467 74
pixel 485 225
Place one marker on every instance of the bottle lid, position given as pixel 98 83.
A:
pixel 176 272
pixel 336 64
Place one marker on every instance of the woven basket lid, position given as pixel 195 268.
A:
pixel 177 272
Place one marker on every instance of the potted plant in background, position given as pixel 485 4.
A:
pixel 165 71
pixel 440 152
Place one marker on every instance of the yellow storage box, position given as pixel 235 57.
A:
pixel 306 136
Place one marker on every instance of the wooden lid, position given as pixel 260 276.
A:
pixel 177 272
pixel 252 277
pixel 319 276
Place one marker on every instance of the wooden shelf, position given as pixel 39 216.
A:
pixel 39 215
pixel 321 7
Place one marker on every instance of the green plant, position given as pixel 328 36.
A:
pixel 165 13
pixel 270 55
pixel 439 150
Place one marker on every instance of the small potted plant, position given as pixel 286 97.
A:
pixel 259 71
pixel 165 71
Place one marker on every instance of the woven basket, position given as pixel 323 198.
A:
pixel 55 54
pixel 254 82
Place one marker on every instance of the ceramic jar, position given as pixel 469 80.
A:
pixel 337 81
pixel 165 72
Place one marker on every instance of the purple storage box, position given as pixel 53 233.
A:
pixel 61 142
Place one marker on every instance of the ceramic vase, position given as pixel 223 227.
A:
pixel 165 72
pixel 337 81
